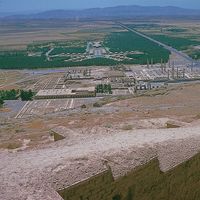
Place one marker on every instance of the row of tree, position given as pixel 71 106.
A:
pixel 15 94
pixel 1 102
pixel 104 88
pixel 9 94
pixel 26 95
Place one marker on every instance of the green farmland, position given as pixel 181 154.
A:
pixel 19 60
pixel 59 54
pixel 182 37
pixel 129 41
pixel 195 54
pixel 176 42
pixel 75 46
pixel 182 44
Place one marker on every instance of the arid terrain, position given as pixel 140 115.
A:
pixel 15 35
pixel 81 122
pixel 178 105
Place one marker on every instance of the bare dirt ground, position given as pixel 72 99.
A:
pixel 9 79
pixel 152 110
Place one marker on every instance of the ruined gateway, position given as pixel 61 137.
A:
pixel 124 165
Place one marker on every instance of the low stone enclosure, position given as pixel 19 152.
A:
pixel 149 164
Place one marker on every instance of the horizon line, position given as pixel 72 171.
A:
pixel 103 7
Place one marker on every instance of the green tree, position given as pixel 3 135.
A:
pixel 104 88
pixel 109 89
pixel 9 94
pixel 26 95
pixel 1 102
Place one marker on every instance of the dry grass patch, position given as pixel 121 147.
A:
pixel 11 145
pixel 5 110
pixel 36 124
pixel 197 116
pixel 127 127
pixel 170 125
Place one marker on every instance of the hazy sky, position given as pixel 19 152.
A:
pixel 40 5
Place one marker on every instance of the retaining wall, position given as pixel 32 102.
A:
pixel 144 183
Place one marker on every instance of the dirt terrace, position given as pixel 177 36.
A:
pixel 37 174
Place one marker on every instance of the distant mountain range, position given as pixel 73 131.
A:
pixel 112 13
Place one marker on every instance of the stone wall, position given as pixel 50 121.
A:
pixel 144 183
pixel 97 187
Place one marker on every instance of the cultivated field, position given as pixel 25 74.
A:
pixel 19 34
pixel 182 35
pixel 34 44
pixel 39 44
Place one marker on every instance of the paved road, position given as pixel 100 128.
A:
pixel 171 49
pixel 48 53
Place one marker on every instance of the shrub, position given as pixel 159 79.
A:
pixel 97 105
pixel 1 102
pixel 127 127
pixel 83 106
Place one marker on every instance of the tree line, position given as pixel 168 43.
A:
pixel 15 95
pixel 104 88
